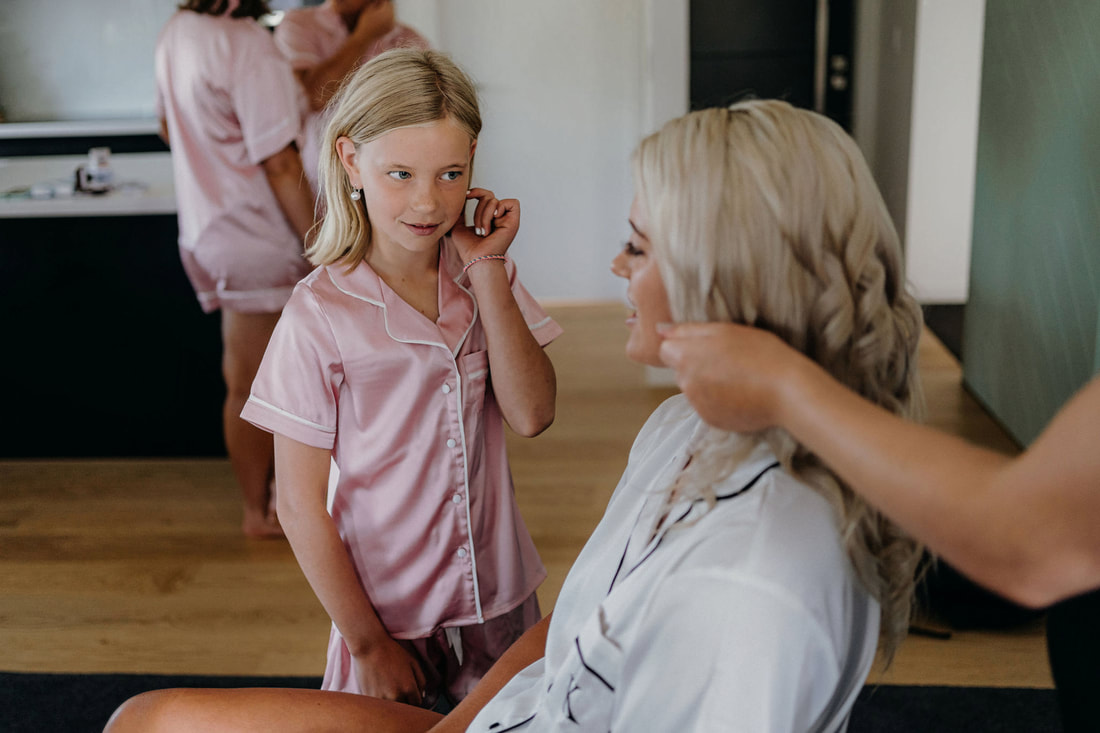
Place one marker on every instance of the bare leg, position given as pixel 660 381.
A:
pixel 265 710
pixel 251 450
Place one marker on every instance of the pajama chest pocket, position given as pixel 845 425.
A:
pixel 474 371
pixel 584 690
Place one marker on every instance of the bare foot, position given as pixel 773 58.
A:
pixel 261 526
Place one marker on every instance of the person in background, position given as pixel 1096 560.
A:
pixel 324 43
pixel 733 583
pixel 228 109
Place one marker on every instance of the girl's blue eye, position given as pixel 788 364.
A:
pixel 452 175
pixel 401 175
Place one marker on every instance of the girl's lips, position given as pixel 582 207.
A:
pixel 421 229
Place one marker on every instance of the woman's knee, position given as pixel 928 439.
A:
pixel 145 712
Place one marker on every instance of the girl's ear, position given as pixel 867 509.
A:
pixel 473 149
pixel 349 158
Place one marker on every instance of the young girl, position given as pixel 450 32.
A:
pixel 734 583
pixel 402 355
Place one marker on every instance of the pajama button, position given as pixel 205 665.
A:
pixel 462 552
pixel 446 389
pixel 451 443
pixel 457 498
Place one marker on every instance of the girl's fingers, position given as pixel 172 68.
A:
pixel 491 212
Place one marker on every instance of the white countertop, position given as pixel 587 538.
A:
pixel 78 128
pixel 142 186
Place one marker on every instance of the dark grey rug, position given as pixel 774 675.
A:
pixel 82 703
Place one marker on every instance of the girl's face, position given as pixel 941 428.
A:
pixel 645 290
pixel 414 182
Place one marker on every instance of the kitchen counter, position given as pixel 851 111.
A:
pixel 142 186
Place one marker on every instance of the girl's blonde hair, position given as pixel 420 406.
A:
pixel 399 88
pixel 767 215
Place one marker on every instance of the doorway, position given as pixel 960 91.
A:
pixel 797 50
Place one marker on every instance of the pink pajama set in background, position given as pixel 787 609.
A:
pixel 230 101
pixel 311 35
pixel 424 500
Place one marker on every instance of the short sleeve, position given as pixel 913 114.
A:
pixel 747 657
pixel 297 41
pixel 296 388
pixel 544 328
pixel 265 98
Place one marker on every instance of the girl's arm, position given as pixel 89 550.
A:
pixel 522 374
pixel 383 668
pixel 1025 526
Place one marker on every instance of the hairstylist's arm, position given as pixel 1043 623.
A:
pixel 321 82
pixel 523 376
pixel 526 650
pixel 288 182
pixel 1024 527
pixel 382 666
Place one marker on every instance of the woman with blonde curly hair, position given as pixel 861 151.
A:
pixel 734 582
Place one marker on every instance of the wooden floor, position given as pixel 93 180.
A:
pixel 138 565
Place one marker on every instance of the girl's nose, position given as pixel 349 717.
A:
pixel 425 198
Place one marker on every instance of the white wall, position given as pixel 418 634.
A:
pixel 943 148
pixel 567 90
pixel 918 82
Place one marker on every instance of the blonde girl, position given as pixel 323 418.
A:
pixel 402 356
pixel 733 582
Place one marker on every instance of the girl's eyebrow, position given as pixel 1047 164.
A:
pixel 395 164
pixel 637 231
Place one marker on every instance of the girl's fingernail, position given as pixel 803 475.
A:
pixel 664 327
pixel 479 232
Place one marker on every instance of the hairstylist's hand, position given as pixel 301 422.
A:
pixel 494 226
pixel 389 672
pixel 733 375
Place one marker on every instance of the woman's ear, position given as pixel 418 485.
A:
pixel 349 158
pixel 473 149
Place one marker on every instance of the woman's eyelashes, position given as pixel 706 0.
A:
pixel 631 250
pixel 400 175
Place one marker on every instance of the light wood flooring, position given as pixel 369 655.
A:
pixel 139 566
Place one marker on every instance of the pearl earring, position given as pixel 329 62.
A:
pixel 355 194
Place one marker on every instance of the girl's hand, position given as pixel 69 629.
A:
pixel 494 226
pixel 389 672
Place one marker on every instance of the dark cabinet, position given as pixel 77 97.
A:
pixel 106 351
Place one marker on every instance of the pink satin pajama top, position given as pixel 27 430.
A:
pixel 424 500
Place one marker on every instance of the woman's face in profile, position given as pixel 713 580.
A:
pixel 645 290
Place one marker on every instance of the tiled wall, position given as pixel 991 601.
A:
pixel 1032 323
pixel 78 59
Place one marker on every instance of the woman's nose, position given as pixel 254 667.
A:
pixel 618 266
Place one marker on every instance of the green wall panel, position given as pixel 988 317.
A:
pixel 1032 323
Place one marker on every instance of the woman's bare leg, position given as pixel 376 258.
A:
pixel 265 710
pixel 251 450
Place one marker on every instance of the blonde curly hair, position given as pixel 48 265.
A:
pixel 767 215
